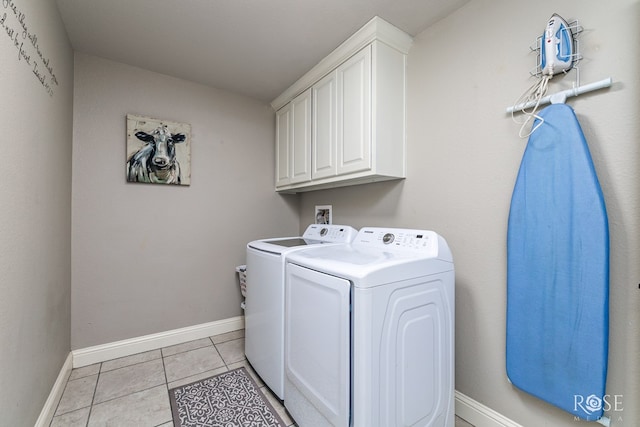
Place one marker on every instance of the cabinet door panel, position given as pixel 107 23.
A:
pixel 324 141
pixel 283 141
pixel 301 143
pixel 354 113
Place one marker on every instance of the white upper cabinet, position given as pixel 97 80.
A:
pixel 343 123
pixel 293 141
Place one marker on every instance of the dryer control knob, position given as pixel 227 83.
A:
pixel 324 231
pixel 388 238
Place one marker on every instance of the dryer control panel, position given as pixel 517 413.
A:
pixel 398 239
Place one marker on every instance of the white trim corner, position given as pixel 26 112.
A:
pixel 49 408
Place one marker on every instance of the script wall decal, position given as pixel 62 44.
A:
pixel 14 25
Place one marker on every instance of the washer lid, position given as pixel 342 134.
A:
pixel 280 246
pixel 287 242
pixel 313 235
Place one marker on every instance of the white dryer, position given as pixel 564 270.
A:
pixel 369 332
pixel 264 301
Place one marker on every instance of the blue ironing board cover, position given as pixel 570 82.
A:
pixel 558 270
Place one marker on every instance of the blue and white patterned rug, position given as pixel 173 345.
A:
pixel 229 399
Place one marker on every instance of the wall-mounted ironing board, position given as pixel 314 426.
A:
pixel 558 270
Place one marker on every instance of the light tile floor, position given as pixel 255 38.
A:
pixel 133 390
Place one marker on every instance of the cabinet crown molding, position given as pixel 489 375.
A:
pixel 376 29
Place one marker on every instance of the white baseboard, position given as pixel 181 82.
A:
pixel 480 415
pixel 470 410
pixel 100 353
pixel 51 404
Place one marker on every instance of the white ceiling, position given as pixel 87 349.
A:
pixel 257 48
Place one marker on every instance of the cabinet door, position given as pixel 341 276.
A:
pixel 354 113
pixel 301 140
pixel 324 141
pixel 293 141
pixel 284 128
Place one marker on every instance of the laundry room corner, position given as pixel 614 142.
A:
pixel 150 258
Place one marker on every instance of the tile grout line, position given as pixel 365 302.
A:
pixel 186 351
pixel 164 369
pixel 226 366
pixel 124 395
pixel 166 384
pixel 93 398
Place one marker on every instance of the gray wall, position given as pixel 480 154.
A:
pixel 35 208
pixel 149 258
pixel 463 157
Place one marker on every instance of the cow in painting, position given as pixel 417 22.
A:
pixel 156 161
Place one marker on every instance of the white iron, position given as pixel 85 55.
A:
pixel 556 47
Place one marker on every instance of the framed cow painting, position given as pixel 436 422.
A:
pixel 158 151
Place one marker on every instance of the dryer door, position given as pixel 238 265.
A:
pixel 317 347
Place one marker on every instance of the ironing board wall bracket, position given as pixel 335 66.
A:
pixel 604 83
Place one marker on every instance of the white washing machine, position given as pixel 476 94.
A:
pixel 264 301
pixel 369 332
